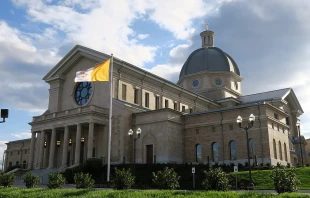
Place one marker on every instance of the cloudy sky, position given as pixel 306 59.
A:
pixel 269 40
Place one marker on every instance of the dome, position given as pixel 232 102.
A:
pixel 208 59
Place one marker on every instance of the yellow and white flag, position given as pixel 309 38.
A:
pixel 98 73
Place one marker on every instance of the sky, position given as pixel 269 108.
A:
pixel 269 40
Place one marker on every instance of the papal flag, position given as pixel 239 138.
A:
pixel 97 73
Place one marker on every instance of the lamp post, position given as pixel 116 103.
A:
pixel 246 128
pixel 301 155
pixel 134 138
pixel 4 114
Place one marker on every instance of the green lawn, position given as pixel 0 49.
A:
pixel 46 193
pixel 262 180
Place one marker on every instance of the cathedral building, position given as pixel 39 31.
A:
pixel 191 121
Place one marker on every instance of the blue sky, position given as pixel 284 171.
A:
pixel 269 40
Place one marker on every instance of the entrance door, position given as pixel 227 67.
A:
pixel 149 154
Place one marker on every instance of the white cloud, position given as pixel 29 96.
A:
pixel 177 16
pixel 23 135
pixel 143 36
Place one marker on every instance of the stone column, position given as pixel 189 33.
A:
pixel 90 140
pixel 33 139
pixel 41 149
pixel 78 144
pixel 52 149
pixel 65 147
pixel 36 155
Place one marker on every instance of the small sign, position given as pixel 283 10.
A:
pixel 235 168
pixel 193 170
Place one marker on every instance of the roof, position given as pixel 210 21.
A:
pixel 225 109
pixel 281 94
pixel 265 96
pixel 131 105
pixel 208 59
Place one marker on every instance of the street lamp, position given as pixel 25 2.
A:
pixel 246 128
pixel 4 114
pixel 134 139
pixel 298 128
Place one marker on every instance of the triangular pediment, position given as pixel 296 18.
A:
pixel 68 61
pixel 291 98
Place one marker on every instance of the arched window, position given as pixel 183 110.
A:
pixel 233 150
pixel 280 150
pixel 215 152
pixel 274 149
pixel 251 147
pixel 198 153
pixel 285 152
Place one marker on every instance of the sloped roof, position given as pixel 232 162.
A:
pixel 265 96
pixel 281 94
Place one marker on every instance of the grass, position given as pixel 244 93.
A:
pixel 47 193
pixel 262 180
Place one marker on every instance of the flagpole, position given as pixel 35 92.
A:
pixel 110 118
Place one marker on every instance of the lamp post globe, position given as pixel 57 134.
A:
pixel 134 138
pixel 246 128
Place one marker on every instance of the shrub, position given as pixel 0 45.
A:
pixel 55 180
pixel 284 179
pixel 83 180
pixel 91 166
pixel 166 179
pixel 31 180
pixel 122 179
pixel 216 179
pixel 7 180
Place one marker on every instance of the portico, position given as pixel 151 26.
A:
pixel 68 143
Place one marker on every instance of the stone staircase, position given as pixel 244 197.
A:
pixel 42 173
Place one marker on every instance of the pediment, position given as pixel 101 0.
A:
pixel 67 62
pixel 291 98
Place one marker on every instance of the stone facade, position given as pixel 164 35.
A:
pixel 193 121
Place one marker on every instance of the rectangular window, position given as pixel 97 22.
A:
pixel 175 106
pixel 197 131
pixel 191 110
pixel 136 96
pixel 17 152
pixel 231 127
pixel 166 103
pixel 124 92
pixel 283 130
pixel 25 151
pixel 11 153
pixel 183 108
pixel 147 97
pixel 276 116
pixel 272 125
pixel 157 102
pixel 213 129
pixel 287 119
pixel 278 127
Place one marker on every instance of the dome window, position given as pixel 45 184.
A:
pixel 218 82
pixel 195 83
